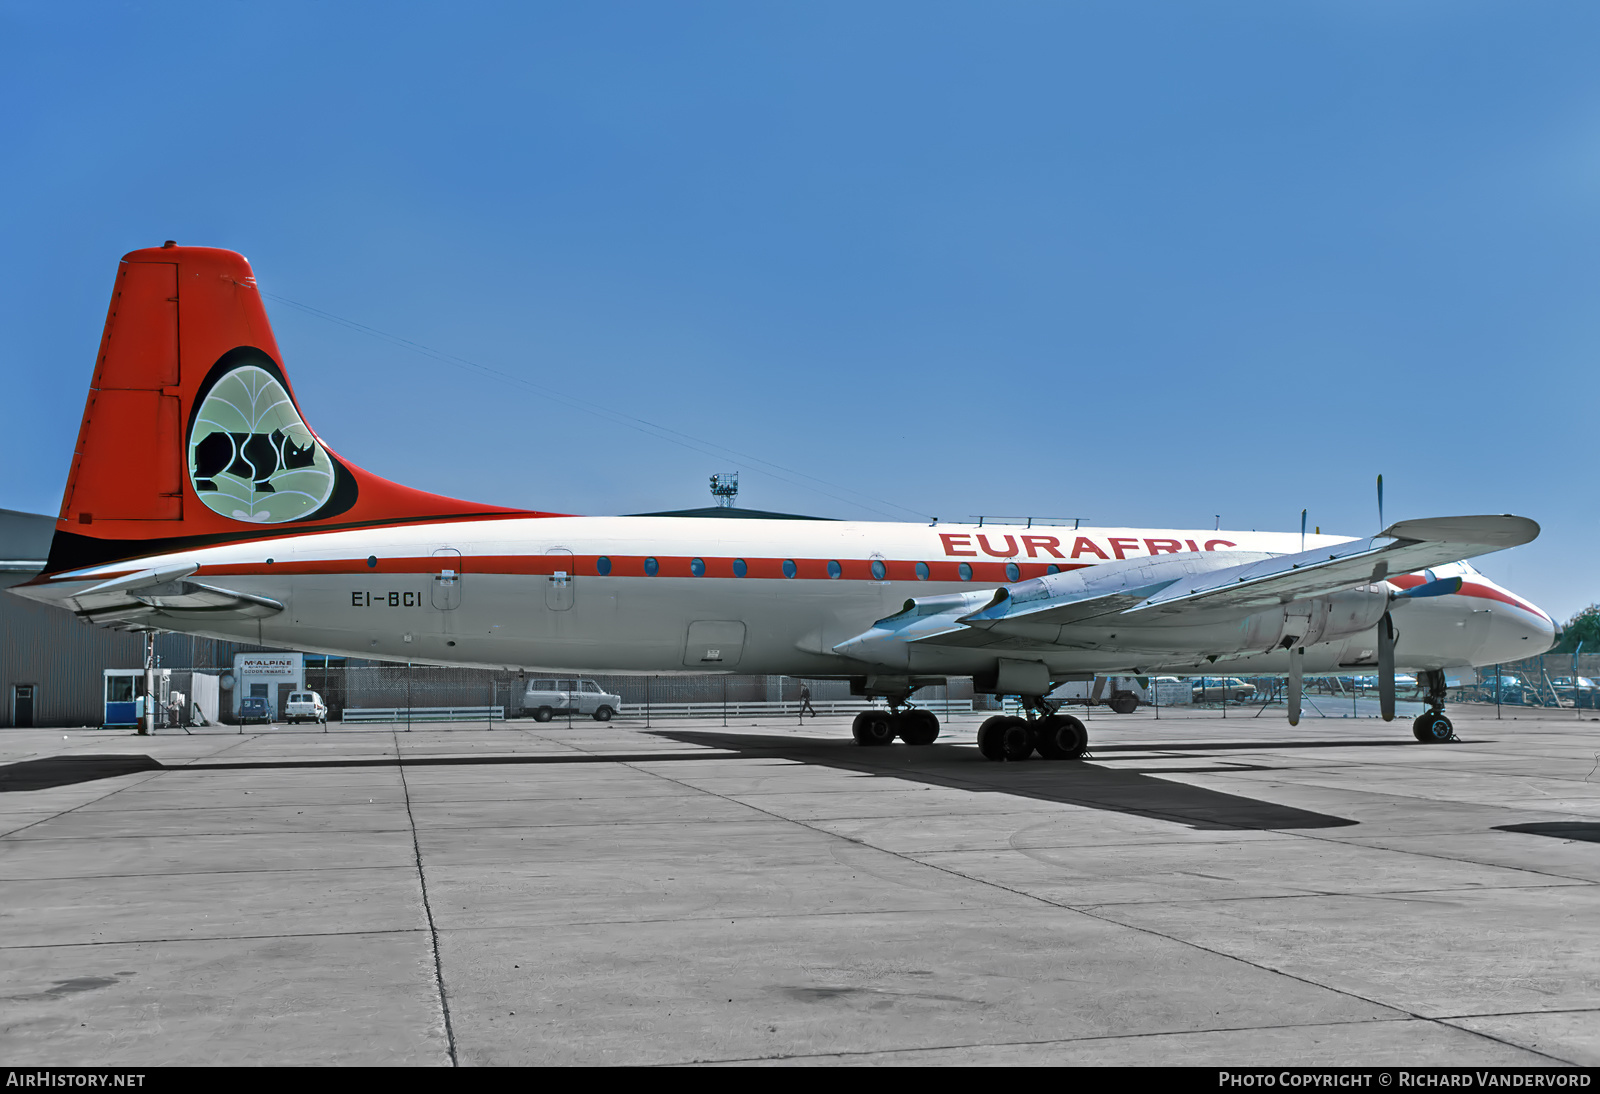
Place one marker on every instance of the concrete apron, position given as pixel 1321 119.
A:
pixel 1200 892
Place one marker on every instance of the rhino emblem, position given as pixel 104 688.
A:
pixel 253 456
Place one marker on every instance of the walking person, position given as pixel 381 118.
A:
pixel 805 702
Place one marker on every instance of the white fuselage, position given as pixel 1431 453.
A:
pixel 675 594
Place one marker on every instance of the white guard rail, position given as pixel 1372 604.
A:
pixel 423 714
pixel 788 706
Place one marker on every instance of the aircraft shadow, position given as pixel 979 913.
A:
pixel 71 770
pixel 1133 791
pixel 1130 791
pixel 1588 831
pixel 56 771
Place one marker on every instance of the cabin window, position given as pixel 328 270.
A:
pixel 697 567
pixel 878 569
pixel 966 571
pixel 602 565
pixel 1052 569
pixel 650 567
pixel 835 570
pixel 922 571
pixel 1013 571
pixel 789 568
pixel 372 562
pixel 739 567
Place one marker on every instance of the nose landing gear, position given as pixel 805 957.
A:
pixel 1433 727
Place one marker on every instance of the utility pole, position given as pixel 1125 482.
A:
pixel 147 724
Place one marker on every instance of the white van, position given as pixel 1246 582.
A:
pixel 546 698
pixel 305 706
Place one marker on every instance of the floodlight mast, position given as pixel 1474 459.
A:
pixel 725 487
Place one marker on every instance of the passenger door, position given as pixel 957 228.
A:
pixel 446 592
pixel 559 591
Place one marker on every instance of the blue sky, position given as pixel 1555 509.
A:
pixel 1139 263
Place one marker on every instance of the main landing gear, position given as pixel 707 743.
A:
pixel 1054 736
pixel 881 727
pixel 1433 727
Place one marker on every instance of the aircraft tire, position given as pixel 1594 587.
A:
pixel 919 727
pixel 603 713
pixel 1432 729
pixel 543 714
pixel 989 739
pixel 1124 704
pixel 1016 739
pixel 1062 737
pixel 872 729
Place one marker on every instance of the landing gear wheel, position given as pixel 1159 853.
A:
pixel 989 738
pixel 1433 729
pixel 872 728
pixel 602 714
pixel 919 727
pixel 1062 737
pixel 1015 738
pixel 543 714
pixel 1124 704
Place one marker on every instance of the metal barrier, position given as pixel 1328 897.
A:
pixel 423 714
pixel 788 706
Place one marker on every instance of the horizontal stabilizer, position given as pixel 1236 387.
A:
pixel 147 602
pixel 190 598
pixel 142 578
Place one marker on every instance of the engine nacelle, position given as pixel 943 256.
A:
pixel 1323 619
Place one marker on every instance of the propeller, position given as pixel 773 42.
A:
pixel 1297 658
pixel 1386 667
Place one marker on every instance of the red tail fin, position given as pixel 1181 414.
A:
pixel 191 433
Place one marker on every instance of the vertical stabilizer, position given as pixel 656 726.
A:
pixel 191 433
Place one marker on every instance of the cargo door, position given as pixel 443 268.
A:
pixel 446 591
pixel 558 590
pixel 714 643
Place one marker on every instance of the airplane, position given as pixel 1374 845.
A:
pixel 200 501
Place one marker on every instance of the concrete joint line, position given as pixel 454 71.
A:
pixel 427 908
pixel 1400 1011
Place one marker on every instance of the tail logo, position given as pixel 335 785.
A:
pixel 251 456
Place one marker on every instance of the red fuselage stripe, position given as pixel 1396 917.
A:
pixel 814 569
pixel 1472 588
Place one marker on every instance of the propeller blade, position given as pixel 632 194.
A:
pixel 1386 667
pixel 1444 586
pixel 1297 658
pixel 1380 503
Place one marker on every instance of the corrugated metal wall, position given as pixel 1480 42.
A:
pixel 63 659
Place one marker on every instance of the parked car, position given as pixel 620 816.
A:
pixel 1583 693
pixel 1209 689
pixel 253 708
pixel 1502 689
pixel 1123 694
pixel 547 698
pixel 1402 682
pixel 305 706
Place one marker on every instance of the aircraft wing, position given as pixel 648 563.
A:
pixel 1042 612
pixel 1402 548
